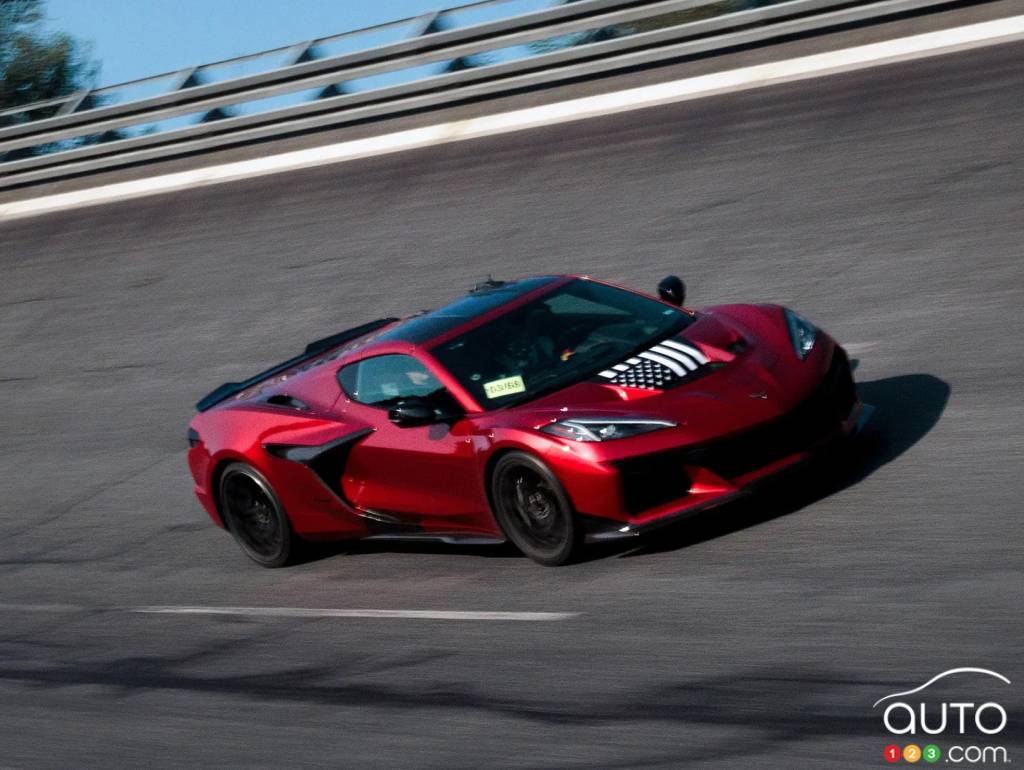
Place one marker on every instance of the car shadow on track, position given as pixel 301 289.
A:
pixel 325 550
pixel 907 408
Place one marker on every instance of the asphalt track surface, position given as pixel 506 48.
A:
pixel 886 204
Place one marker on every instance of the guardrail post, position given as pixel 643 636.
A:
pixel 307 51
pixel 302 52
pixel 76 100
pixel 427 24
pixel 217 113
pixel 334 89
pixel 189 78
pixel 186 78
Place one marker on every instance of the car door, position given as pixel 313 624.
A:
pixel 422 474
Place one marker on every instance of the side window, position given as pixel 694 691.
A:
pixel 385 380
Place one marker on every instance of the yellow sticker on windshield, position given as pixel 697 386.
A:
pixel 505 387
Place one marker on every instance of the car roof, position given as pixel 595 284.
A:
pixel 484 300
pixel 429 328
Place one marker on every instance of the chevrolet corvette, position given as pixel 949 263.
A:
pixel 549 411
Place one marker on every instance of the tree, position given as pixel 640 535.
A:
pixel 695 14
pixel 36 65
pixel 649 24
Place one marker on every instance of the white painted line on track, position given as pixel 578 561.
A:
pixel 299 612
pixel 304 612
pixel 50 608
pixel 755 76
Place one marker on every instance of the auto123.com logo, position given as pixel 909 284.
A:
pixel 936 727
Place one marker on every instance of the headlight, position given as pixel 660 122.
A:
pixel 801 333
pixel 604 429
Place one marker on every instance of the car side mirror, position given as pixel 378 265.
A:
pixel 672 290
pixel 417 411
pixel 411 413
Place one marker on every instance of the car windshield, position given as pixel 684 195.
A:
pixel 560 338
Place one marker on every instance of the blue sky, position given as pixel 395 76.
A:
pixel 136 38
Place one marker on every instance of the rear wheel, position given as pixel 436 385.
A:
pixel 255 517
pixel 533 509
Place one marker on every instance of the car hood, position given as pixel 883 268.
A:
pixel 751 376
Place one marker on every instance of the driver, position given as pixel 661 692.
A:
pixel 534 347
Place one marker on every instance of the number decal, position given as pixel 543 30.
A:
pixel 505 387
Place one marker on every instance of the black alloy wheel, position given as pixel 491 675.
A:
pixel 255 517
pixel 533 509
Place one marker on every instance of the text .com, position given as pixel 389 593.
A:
pixel 974 755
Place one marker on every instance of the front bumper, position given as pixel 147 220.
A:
pixel 708 490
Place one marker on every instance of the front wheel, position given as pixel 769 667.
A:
pixel 533 509
pixel 255 517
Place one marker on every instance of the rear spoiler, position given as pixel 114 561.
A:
pixel 313 349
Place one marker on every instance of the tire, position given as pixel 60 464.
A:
pixel 533 510
pixel 255 517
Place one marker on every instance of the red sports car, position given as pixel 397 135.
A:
pixel 548 411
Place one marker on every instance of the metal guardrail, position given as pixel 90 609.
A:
pixel 84 135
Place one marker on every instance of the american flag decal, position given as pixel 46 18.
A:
pixel 660 366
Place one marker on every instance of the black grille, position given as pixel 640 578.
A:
pixel 652 480
pixel 811 421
